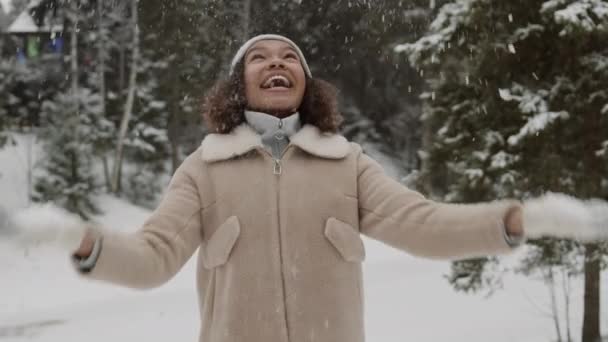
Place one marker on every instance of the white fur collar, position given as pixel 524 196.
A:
pixel 242 139
pixel 325 145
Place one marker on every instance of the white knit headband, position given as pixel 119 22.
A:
pixel 243 50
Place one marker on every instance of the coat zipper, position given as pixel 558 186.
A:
pixel 277 170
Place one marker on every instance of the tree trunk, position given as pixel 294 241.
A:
pixel 591 188
pixel 246 19
pixel 126 117
pixel 550 280
pixel 121 68
pixel 566 288
pixel 74 56
pixel 30 185
pixel 106 172
pixel 591 316
pixel 173 134
pixel 75 104
pixel 173 124
pixel 102 83
pixel 101 56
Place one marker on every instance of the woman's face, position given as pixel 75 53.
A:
pixel 274 78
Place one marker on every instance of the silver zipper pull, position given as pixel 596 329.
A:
pixel 280 123
pixel 277 167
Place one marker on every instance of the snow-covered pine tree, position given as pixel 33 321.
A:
pixel 110 32
pixel 147 143
pixel 183 49
pixel 105 22
pixel 180 49
pixel 72 125
pixel 517 104
pixel 66 175
pixel 6 73
pixel 23 88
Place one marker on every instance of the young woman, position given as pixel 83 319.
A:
pixel 276 202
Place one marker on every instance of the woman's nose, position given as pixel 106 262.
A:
pixel 277 63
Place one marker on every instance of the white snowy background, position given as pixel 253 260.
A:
pixel 407 299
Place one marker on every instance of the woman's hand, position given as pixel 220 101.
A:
pixel 514 222
pixel 86 246
pixel 562 216
pixel 52 226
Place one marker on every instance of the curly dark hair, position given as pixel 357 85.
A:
pixel 224 105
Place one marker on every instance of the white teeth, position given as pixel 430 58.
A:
pixel 269 81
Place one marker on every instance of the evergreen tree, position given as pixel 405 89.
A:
pixel 6 78
pixel 72 125
pixel 516 106
pixel 181 51
pixel 67 176
pixel 147 144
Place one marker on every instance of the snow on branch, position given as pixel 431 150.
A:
pixel 502 160
pixel 597 61
pixel 533 104
pixel 553 5
pixel 585 15
pixel 603 152
pixel 536 124
pixel 449 18
pixel 523 33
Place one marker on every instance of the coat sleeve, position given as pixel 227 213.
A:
pixel 152 255
pixel 406 220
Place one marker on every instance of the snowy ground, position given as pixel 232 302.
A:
pixel 42 299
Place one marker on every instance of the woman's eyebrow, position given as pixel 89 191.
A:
pixel 254 49
pixel 263 49
pixel 291 49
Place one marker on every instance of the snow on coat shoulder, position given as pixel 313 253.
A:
pixel 47 224
pixel 562 216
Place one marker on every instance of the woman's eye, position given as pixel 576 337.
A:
pixel 256 56
pixel 291 56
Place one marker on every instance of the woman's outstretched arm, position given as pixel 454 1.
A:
pixel 158 250
pixel 406 220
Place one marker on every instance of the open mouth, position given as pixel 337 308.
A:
pixel 276 82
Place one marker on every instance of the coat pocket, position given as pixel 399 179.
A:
pixel 217 250
pixel 345 239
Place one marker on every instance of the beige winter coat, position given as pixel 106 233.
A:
pixel 281 251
